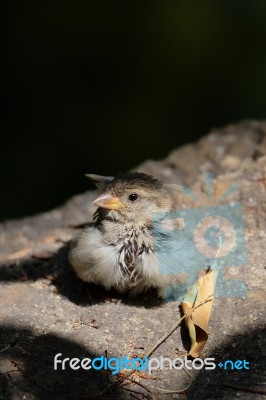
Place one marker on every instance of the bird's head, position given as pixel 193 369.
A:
pixel 134 196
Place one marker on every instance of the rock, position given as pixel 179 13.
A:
pixel 43 309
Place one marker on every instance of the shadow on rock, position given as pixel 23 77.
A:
pixel 215 384
pixel 58 271
pixel 27 369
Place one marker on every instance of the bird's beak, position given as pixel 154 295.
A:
pixel 107 200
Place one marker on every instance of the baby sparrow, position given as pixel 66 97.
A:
pixel 119 250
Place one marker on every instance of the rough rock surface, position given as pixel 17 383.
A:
pixel 45 310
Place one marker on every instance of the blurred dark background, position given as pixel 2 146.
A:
pixel 101 86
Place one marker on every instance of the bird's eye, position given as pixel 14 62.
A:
pixel 133 197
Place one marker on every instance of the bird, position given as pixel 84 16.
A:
pixel 119 249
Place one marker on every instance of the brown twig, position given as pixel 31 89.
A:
pixel 175 326
pixel 5 348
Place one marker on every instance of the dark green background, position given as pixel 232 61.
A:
pixel 101 86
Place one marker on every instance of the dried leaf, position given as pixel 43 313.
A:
pixel 197 322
